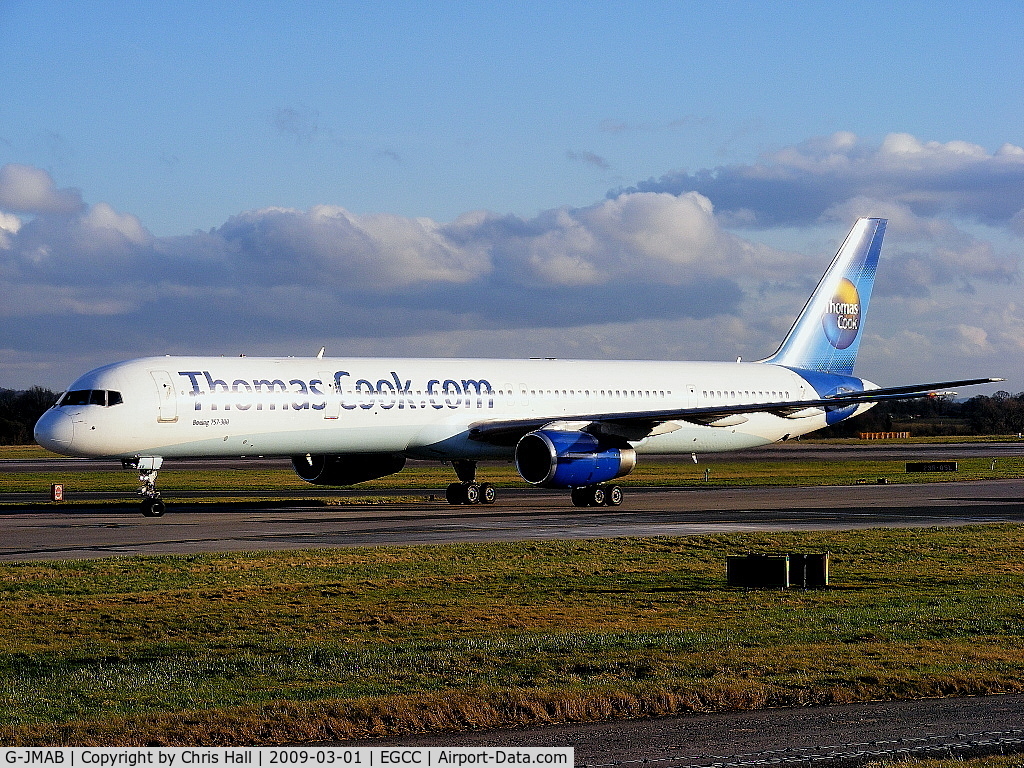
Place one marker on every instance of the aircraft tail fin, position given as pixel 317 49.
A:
pixel 826 335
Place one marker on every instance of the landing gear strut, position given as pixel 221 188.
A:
pixel 147 467
pixel 597 496
pixel 468 490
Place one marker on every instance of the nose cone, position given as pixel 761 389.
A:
pixel 55 431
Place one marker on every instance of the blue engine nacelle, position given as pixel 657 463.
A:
pixel 553 459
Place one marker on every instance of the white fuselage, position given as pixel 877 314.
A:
pixel 421 408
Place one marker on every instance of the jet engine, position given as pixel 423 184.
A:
pixel 555 459
pixel 346 470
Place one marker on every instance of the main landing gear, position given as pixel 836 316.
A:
pixel 468 490
pixel 147 467
pixel 597 496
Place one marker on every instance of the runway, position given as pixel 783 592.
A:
pixel 47 532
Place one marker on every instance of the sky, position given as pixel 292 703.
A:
pixel 639 180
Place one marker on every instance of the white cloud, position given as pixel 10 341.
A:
pixel 9 225
pixel 642 237
pixel 101 221
pixel 660 227
pixel 797 185
pixel 25 189
pixel 331 245
pixel 903 144
pixel 289 272
pixel 972 340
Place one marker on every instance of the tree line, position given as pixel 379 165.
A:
pixel 19 411
pixel 998 414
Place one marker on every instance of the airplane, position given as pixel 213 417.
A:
pixel 571 424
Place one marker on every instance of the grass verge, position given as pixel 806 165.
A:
pixel 422 478
pixel 285 647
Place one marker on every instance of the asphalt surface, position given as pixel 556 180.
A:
pixel 49 532
pixel 845 735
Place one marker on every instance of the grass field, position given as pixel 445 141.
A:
pixel 298 646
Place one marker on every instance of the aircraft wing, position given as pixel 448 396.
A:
pixel 636 425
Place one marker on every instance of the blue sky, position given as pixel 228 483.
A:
pixel 662 180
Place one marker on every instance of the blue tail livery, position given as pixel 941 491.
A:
pixel 826 335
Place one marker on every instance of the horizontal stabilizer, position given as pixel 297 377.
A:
pixel 910 391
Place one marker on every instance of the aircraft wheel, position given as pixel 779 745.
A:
pixel 488 493
pixel 152 508
pixel 580 497
pixel 471 493
pixel 614 496
pixel 453 494
pixel 597 495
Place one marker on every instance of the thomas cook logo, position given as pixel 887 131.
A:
pixel 841 319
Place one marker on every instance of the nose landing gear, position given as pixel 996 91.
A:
pixel 147 467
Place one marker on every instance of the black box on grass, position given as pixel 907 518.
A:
pixel 758 571
pixel 810 571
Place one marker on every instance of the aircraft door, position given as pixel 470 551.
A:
pixel 168 401
pixel 509 398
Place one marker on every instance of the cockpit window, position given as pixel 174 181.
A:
pixel 76 397
pixel 90 397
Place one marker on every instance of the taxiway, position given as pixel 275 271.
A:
pixel 48 532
